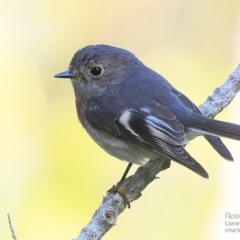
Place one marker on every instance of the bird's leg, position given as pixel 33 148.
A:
pixel 125 173
pixel 119 188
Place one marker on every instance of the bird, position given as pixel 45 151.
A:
pixel 135 114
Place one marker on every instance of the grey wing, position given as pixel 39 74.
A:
pixel 215 141
pixel 158 130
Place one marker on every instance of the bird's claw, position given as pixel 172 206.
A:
pixel 120 190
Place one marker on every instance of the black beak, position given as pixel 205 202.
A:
pixel 65 74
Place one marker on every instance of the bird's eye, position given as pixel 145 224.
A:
pixel 96 71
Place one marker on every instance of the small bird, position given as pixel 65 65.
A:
pixel 134 114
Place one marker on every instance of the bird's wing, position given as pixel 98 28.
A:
pixel 215 141
pixel 152 127
pixel 188 103
pixel 158 130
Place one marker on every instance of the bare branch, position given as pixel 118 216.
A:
pixel 11 227
pixel 222 96
pixel 106 215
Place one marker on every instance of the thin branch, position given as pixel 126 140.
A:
pixel 222 96
pixel 11 227
pixel 106 215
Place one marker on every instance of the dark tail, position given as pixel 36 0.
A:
pixel 218 128
pixel 218 145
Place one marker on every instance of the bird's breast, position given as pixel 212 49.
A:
pixel 80 111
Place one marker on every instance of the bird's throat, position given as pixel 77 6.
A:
pixel 79 108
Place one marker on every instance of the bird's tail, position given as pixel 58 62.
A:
pixel 216 127
pixel 218 145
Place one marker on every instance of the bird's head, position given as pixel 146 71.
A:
pixel 97 67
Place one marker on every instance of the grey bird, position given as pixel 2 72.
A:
pixel 134 114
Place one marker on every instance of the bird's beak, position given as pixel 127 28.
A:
pixel 65 74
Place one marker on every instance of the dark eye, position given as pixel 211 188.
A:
pixel 96 71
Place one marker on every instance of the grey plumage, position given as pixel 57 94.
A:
pixel 134 113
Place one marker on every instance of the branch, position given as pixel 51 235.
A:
pixel 11 227
pixel 113 205
pixel 222 96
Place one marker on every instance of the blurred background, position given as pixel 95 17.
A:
pixel 52 175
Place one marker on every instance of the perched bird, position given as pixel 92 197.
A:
pixel 135 114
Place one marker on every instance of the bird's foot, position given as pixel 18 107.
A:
pixel 120 190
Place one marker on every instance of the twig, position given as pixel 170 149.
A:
pixel 11 227
pixel 106 215
pixel 222 96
